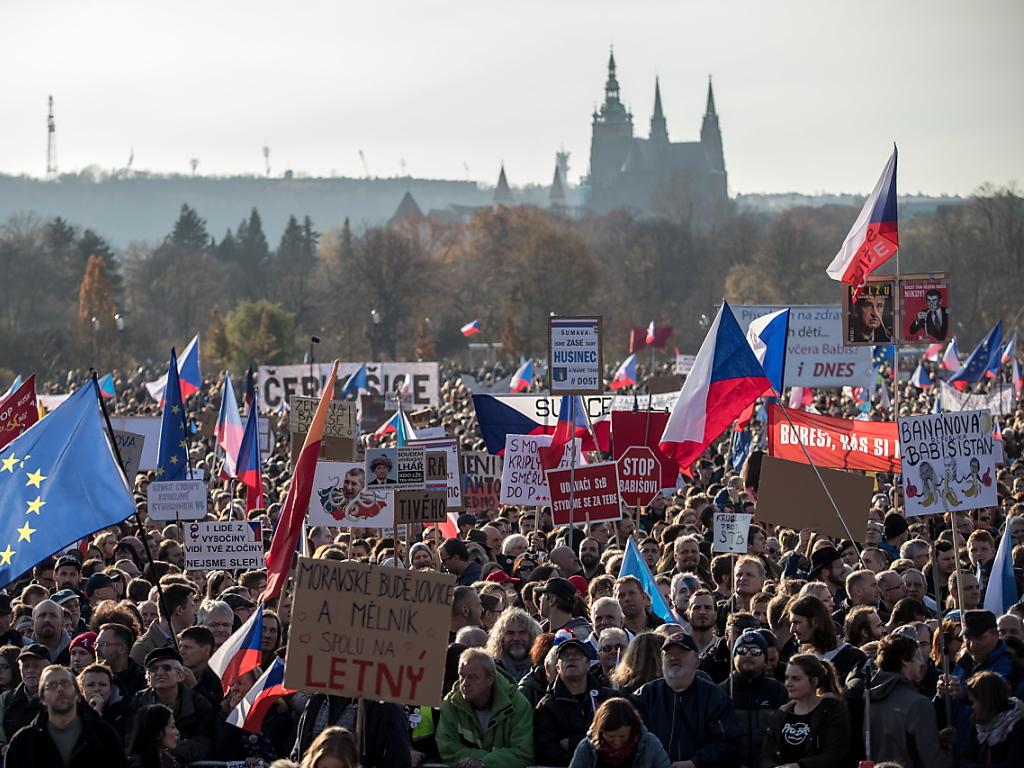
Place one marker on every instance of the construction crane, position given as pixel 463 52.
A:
pixel 366 167
pixel 51 143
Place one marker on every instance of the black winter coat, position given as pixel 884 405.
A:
pixel 828 742
pixel 560 715
pixel 97 745
pixel 755 704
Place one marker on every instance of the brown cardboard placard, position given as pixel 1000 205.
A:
pixel 363 631
pixel 341 417
pixel 421 506
pixel 331 448
pixel 660 385
pixel 789 494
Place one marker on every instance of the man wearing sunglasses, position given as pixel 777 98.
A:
pixel 755 694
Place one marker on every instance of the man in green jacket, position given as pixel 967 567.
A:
pixel 485 722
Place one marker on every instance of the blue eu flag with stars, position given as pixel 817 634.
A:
pixel 171 461
pixel 59 482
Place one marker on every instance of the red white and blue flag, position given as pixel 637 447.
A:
pixel 951 357
pixel 240 652
pixel 253 707
pixel 107 386
pixel 1009 349
pixel 726 377
pixel 1018 382
pixel 657 335
pixel 572 422
pixel 499 417
pixel 248 466
pixel 522 379
pixel 625 376
pixel 920 377
pixel 189 377
pixel 471 329
pixel 229 429
pixel 874 238
pixel 399 426
pixel 933 354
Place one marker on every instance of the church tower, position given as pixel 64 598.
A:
pixel 611 140
pixel 711 135
pixel 659 129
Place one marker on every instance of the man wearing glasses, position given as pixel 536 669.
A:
pixel 64 729
pixel 754 693
pixel 112 646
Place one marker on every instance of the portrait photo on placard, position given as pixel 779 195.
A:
pixel 868 317
pixel 924 307
pixel 381 467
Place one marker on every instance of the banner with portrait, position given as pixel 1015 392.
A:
pixel 924 311
pixel 868 316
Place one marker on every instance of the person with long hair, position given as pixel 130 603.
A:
pixel 153 739
pixel 335 747
pixel 641 663
pixel 998 719
pixel 813 627
pixel 10 677
pixel 812 730
pixel 617 737
pixel 271 639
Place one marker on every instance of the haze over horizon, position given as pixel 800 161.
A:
pixel 811 95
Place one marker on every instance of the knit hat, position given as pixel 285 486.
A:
pixel 85 640
pixel 895 524
pixel 751 637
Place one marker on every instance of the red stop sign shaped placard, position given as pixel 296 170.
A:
pixel 639 476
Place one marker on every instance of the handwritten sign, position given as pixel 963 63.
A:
pixel 522 477
pixel 227 544
pixel 591 492
pixel 731 529
pixel 341 416
pixel 130 446
pixel 363 631
pixel 176 500
pixel 481 480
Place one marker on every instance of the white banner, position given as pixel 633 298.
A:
pixel 176 500
pixel 999 400
pixel 149 428
pixel 451 447
pixel 815 354
pixel 523 480
pixel 225 544
pixel 279 383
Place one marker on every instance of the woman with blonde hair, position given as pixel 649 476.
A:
pixel 335 747
pixel 641 663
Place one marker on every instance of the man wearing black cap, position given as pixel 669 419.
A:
pixel 563 716
pixel 827 566
pixel 689 714
pixel 193 714
pixel 896 531
pixel 753 691
pixel 557 604
pixel 100 587
pixel 19 707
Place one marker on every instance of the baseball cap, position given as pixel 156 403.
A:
pixel 751 637
pixel 500 577
pixel 97 581
pixel 558 587
pixel 680 640
pixel 573 643
pixel 64 596
pixel 34 650
pixel 68 560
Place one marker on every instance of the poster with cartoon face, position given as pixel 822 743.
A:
pixel 340 498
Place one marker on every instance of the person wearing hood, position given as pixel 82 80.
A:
pixel 755 694
pixel 563 716
pixel 902 725
pixel 617 739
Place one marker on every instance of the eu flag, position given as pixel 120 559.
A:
pixel 171 460
pixel 982 358
pixel 59 482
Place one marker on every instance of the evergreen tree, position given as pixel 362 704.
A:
pixel 252 243
pixel 227 249
pixel 190 231
pixel 292 252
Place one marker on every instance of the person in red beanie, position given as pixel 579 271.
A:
pixel 83 651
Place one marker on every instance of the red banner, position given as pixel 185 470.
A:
pixel 836 443
pixel 643 428
pixel 18 411
pixel 594 491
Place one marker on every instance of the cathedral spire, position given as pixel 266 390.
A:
pixel 711 133
pixel 659 131
pixel 611 86
pixel 502 193
pixel 710 111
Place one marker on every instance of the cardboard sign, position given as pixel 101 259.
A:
pixel 924 310
pixel 363 631
pixel 594 490
pixel 522 477
pixel 336 484
pixel 421 506
pixel 481 480
pixel 341 416
pixel 396 469
pixel 815 353
pixel 575 356
pixel 1000 400
pixel 224 544
pixel 451 448
pixel 130 446
pixel 789 494
pixel 149 428
pixel 873 446
pixel 731 529
pixel 663 385
pixel 870 318
pixel 280 383
pixel 949 462
pixel 266 440
pixel 176 500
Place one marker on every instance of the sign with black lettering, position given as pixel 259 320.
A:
pixel 731 529
pixel 278 384
pixel 575 357
pixel 225 544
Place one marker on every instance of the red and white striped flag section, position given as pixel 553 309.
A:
pixel 296 503
pixel 251 710
pixel 240 652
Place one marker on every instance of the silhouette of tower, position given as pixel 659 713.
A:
pixel 711 134
pixel 659 129
pixel 51 143
pixel 502 193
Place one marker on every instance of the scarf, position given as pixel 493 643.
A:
pixel 996 731
pixel 618 755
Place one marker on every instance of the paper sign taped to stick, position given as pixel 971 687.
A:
pixel 731 529
pixel 340 498
pixel 522 477
pixel 949 462
pixel 451 448
pixel 593 490
pixel 176 500
pixel 226 544
pixel 130 445
pixel 363 631
pixel 789 494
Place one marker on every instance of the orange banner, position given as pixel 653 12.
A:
pixel 831 442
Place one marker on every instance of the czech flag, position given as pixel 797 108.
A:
pixel 571 420
pixel 1018 382
pixel 248 465
pixel 951 357
pixel 356 382
pixel 471 329
pixel 1010 349
pixel 240 652
pixel 522 379
pixel 801 398
pixel 980 360
pixel 657 335
pixel 253 707
pixel 229 429
pixel 768 336
pixel 397 425
pixel 933 354
pixel 625 376
pixel 189 377
pixel 498 418
pixel 107 386
pixel 920 378
pixel 725 379
pixel 874 238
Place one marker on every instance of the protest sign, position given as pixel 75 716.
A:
pixel 643 428
pixel 594 490
pixel 130 445
pixel 335 485
pixel 451 448
pixel 522 477
pixel 1000 400
pixel 838 443
pixel 949 462
pixel 18 411
pixel 149 428
pixel 924 310
pixel 363 631
pixel 481 480
pixel 663 385
pixel 399 469
pixel 429 506
pixel 684 364
pixel 639 476
pixel 870 318
pixel 278 384
pixel 341 416
pixel 660 403
pixel 815 353
pixel 226 544
pixel 789 494
pixel 575 356
pixel 731 529
pixel 266 440
pixel 176 500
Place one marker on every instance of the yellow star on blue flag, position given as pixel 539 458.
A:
pixel 59 482
pixel 170 456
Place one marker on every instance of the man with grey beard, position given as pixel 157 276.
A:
pixel 510 641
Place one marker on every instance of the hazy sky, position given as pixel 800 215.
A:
pixel 811 93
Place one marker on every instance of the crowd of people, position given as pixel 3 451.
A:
pixel 804 651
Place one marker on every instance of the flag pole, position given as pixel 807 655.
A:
pixel 138 518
